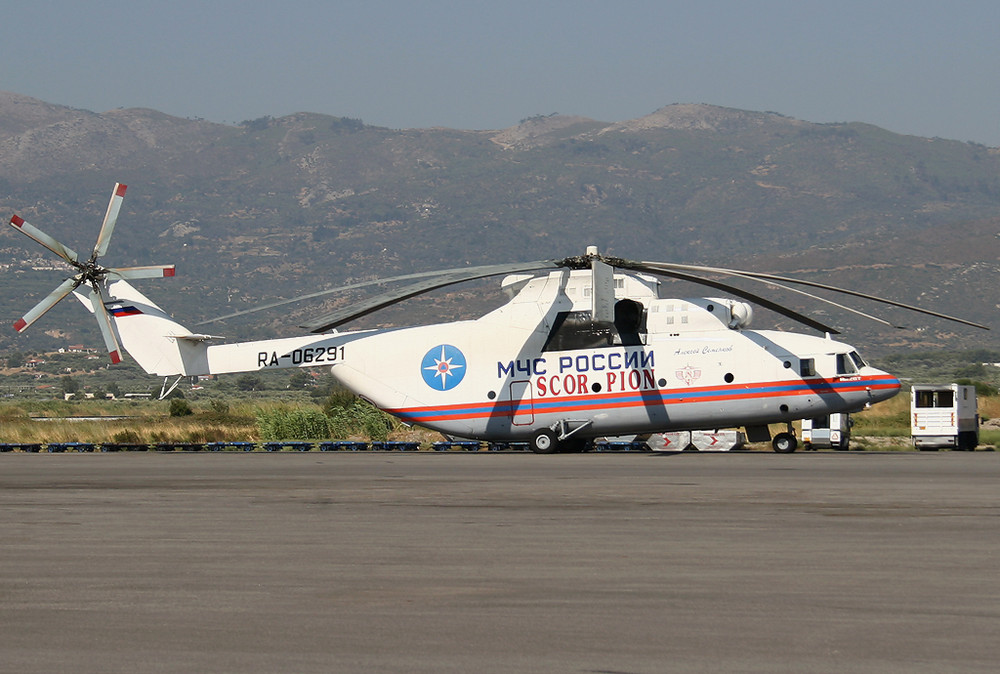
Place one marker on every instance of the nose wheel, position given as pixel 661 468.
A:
pixel 544 441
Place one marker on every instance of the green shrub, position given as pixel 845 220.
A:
pixel 983 389
pixel 360 418
pixel 285 424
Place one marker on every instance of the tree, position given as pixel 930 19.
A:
pixel 248 382
pixel 69 385
pixel 299 379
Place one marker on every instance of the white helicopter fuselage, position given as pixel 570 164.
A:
pixel 520 368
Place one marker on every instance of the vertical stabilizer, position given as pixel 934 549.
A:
pixel 160 345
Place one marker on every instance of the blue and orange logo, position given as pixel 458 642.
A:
pixel 443 368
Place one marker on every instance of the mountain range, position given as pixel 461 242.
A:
pixel 276 207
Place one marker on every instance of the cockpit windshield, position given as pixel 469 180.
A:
pixel 850 363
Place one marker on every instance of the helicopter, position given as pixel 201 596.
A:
pixel 586 346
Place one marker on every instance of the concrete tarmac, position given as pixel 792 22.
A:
pixel 432 562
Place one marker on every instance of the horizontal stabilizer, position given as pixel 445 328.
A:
pixel 197 337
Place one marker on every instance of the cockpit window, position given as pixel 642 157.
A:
pixel 846 364
pixel 858 360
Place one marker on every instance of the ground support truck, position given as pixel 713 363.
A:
pixel 944 416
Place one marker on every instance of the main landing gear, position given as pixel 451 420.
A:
pixel 561 438
pixel 784 443
pixel 544 441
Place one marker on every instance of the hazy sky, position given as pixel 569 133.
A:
pixel 914 67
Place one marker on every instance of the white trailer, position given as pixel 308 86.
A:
pixel 831 430
pixel 716 441
pixel 673 441
pixel 944 416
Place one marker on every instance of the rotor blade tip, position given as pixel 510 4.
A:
pixel 115 357
pixel 16 220
pixel 20 324
pixel 169 271
pixel 120 189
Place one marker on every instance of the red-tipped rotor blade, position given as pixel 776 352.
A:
pixel 53 298
pixel 110 218
pixel 107 331
pixel 41 237
pixel 152 271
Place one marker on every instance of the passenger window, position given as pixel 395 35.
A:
pixel 807 367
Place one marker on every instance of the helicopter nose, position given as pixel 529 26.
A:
pixel 881 384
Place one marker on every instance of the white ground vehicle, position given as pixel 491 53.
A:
pixel 829 430
pixel 944 415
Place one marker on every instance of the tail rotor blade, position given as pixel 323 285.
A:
pixel 152 271
pixel 110 218
pixel 41 237
pixel 53 298
pixel 104 322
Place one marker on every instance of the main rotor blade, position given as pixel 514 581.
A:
pixel 41 237
pixel 775 284
pixel 652 268
pixel 110 218
pixel 151 271
pixel 53 298
pixel 319 293
pixel 823 286
pixel 104 322
pixel 436 280
pixel 483 271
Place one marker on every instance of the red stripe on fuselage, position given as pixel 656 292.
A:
pixel 643 398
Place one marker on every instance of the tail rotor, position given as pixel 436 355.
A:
pixel 89 272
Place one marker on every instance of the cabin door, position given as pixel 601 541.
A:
pixel 521 405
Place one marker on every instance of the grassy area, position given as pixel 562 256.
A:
pixel 150 421
pixel 120 421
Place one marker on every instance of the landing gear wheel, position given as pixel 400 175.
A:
pixel 544 442
pixel 784 443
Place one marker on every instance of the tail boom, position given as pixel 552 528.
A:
pixel 164 347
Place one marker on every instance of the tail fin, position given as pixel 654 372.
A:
pixel 160 345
